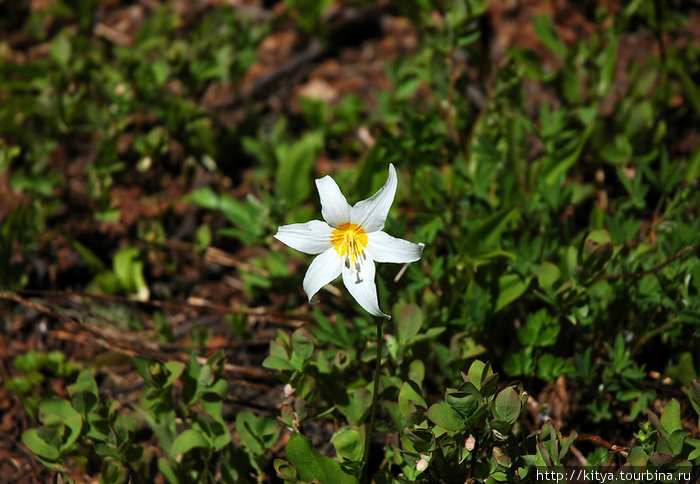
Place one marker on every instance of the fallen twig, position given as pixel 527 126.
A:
pixel 125 343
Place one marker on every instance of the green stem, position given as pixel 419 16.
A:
pixel 375 392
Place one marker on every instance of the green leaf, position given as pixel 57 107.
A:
pixel 445 416
pixel 66 414
pixel 188 440
pixel 539 330
pixel 619 152
pixel 175 369
pixel 684 371
pixel 111 473
pixel 520 362
pixel 128 267
pixel 285 470
pixel 465 402
pixel 637 457
pixel 475 375
pixel 61 48
pixel 349 444
pixel 311 465
pixel 302 344
pixel 295 162
pixel 279 357
pixel 691 170
pixel 166 469
pixel 507 405
pixel 694 395
pixel 39 446
pixel 547 32
pixel 607 60
pixel 510 288
pixel 205 197
pixel 676 440
pixel 550 367
pixel 409 395
pixel 556 166
pixel 84 383
pixel 547 275
pixel 358 404
pixel 212 403
pixel 256 433
pixel 409 319
pixel 83 392
pixel 695 444
pixel 486 232
pixel 671 416
pixel 277 363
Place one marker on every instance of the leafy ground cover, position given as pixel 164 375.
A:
pixel 154 331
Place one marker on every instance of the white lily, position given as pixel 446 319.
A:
pixel 349 242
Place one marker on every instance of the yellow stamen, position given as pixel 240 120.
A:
pixel 349 240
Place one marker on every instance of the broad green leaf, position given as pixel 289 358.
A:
pixel 349 444
pixel 507 405
pixel 175 369
pixel 39 446
pixel 465 402
pixel 510 288
pixel 277 363
pixel 84 383
pixel 212 403
pixel 409 395
pixel 358 404
pixel 695 444
pixel 671 416
pixel 83 392
pixel 637 457
pixel 106 450
pixel 111 472
pixel 475 375
pixel 60 48
pixel 547 275
pixel 676 440
pixel 409 319
pixel 446 417
pixel 256 433
pixel 310 464
pixel 302 344
pixel 188 440
pixel 66 414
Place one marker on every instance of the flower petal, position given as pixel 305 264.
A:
pixel 334 207
pixel 371 214
pixel 311 237
pixel 382 247
pixel 323 269
pixel 361 286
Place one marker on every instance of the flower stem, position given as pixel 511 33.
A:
pixel 375 392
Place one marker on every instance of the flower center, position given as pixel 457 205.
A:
pixel 349 240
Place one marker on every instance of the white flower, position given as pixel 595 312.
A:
pixel 349 242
